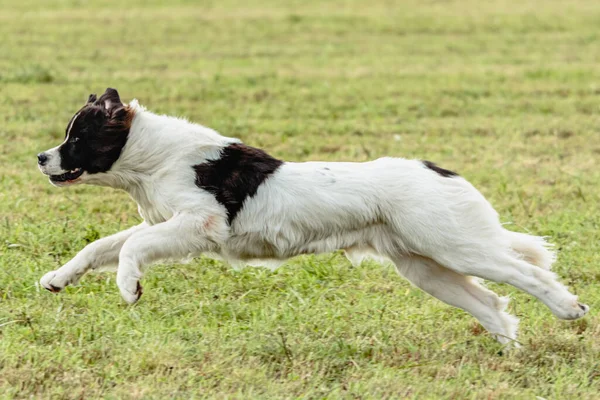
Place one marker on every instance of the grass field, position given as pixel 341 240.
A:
pixel 505 92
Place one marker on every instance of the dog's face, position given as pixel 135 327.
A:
pixel 93 141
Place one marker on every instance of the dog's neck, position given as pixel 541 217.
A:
pixel 157 146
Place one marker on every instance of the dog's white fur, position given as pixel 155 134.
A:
pixel 440 232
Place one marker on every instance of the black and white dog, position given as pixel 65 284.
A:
pixel 200 192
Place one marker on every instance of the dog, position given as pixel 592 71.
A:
pixel 200 192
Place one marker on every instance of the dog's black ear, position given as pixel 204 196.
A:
pixel 92 98
pixel 110 99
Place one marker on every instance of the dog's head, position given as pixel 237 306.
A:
pixel 93 141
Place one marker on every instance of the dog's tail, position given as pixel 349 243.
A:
pixel 534 249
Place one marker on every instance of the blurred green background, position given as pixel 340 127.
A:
pixel 505 92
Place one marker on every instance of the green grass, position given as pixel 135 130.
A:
pixel 505 92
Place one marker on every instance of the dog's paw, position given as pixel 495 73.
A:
pixel 130 289
pixel 576 311
pixel 584 309
pixel 54 281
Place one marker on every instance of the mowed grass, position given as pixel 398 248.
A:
pixel 505 92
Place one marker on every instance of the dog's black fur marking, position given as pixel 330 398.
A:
pixel 446 173
pixel 236 175
pixel 98 134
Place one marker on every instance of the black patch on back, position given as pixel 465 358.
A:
pixel 441 171
pixel 236 175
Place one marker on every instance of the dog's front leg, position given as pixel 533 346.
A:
pixel 101 253
pixel 177 238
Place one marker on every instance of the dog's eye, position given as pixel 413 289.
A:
pixel 74 140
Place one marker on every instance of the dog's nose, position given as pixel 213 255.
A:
pixel 42 158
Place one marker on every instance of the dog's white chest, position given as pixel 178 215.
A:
pixel 152 206
pixel 154 215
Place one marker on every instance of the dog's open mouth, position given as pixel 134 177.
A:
pixel 67 176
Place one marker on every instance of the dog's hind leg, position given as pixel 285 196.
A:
pixel 504 267
pixel 461 291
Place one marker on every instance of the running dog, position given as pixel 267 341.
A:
pixel 200 192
